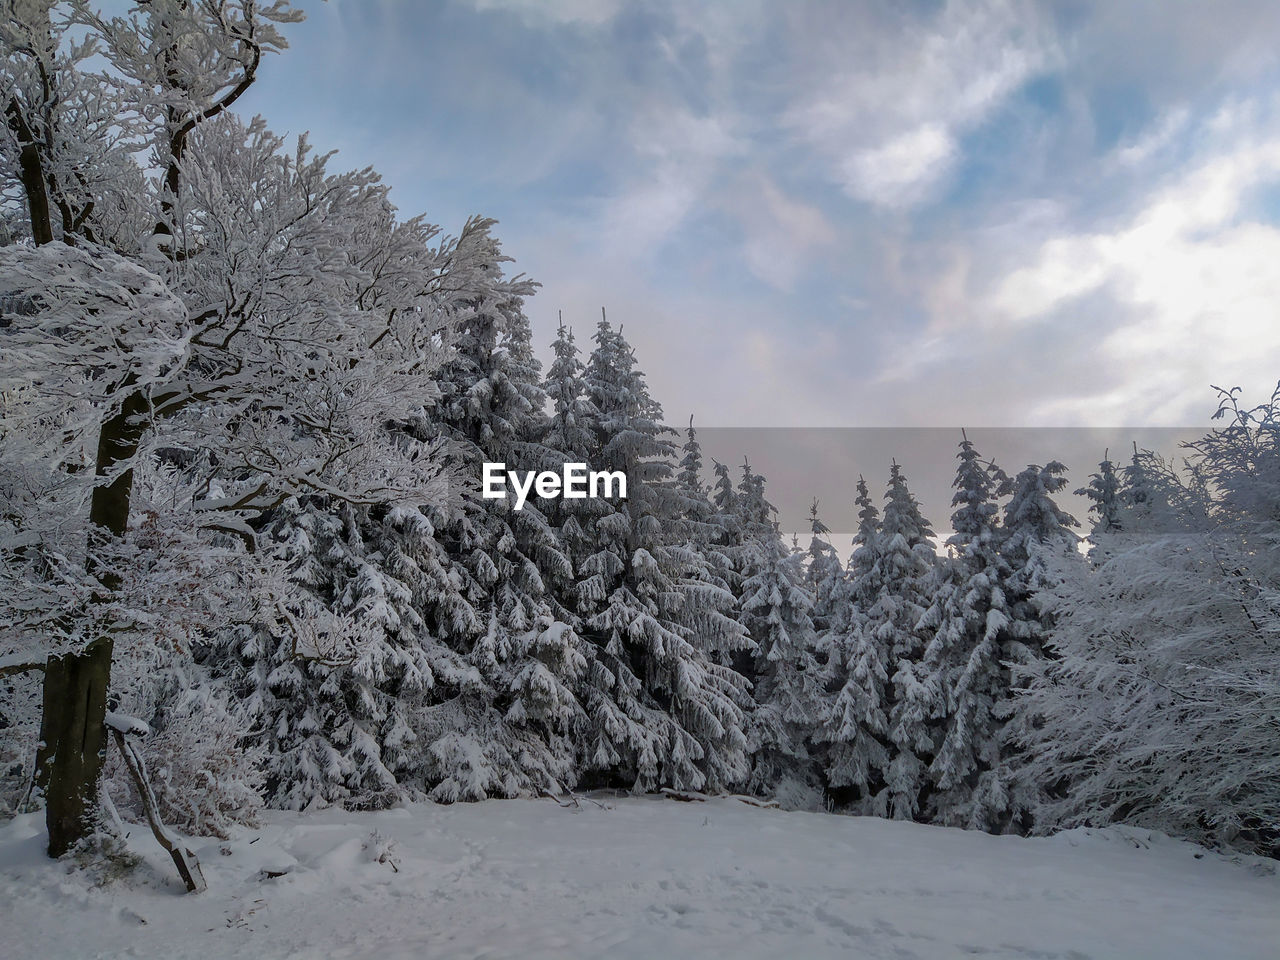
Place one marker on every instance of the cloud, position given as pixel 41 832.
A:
pixel 588 12
pixel 901 171
pixel 781 234
pixel 1192 286
pixel 677 156
pixel 1154 140
pixel 890 103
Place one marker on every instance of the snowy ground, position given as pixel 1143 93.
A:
pixel 647 878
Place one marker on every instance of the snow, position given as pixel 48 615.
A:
pixel 126 724
pixel 644 877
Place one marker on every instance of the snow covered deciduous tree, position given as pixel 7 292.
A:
pixel 1159 704
pixel 249 308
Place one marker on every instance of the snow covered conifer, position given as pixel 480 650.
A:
pixel 856 730
pixel 966 655
pixel 788 685
pixel 1034 526
pixel 1104 490
pixel 513 733
pixel 915 702
pixel 660 709
pixel 1038 545
pixel 822 572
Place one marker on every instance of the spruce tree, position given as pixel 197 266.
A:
pixel 967 654
pixel 908 562
pixel 1037 542
pixel 1104 492
pixel 788 682
pixel 332 673
pixel 704 558
pixel 856 729
pixel 514 733
pixel 660 709
pixel 822 573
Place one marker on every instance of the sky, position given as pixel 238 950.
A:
pixel 845 214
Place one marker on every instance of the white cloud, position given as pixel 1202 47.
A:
pixel 1194 284
pixel 887 107
pixel 901 171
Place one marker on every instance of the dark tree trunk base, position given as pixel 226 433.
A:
pixel 72 742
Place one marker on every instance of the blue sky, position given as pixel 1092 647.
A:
pixel 843 213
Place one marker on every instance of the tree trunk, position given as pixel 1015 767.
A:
pixel 72 731
pixel 32 172
pixel 73 741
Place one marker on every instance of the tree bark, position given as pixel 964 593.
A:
pixel 73 740
pixel 32 172
pixel 72 731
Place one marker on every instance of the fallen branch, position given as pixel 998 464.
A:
pixel 12 665
pixel 183 858
pixel 693 796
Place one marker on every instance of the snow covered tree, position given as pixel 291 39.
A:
pixel 1104 492
pixel 660 709
pixel 1035 528
pixel 973 633
pixel 571 422
pixel 337 713
pixel 1159 705
pixel 856 730
pixel 1038 545
pixel 705 558
pixel 914 704
pixel 822 573
pixel 155 315
pixel 788 683
pixel 571 431
pixel 728 536
pixel 492 410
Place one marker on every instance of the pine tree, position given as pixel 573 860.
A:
pixel 788 685
pixel 915 701
pixel 857 725
pixel 727 534
pixel 1104 492
pixel 704 558
pixel 822 573
pixel 973 634
pixel 331 681
pixel 571 433
pixel 1037 543
pixel 660 709
pixel 1034 525
pixel 513 733
pixel 754 530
